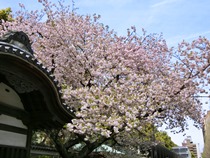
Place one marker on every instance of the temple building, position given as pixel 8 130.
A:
pixel 30 97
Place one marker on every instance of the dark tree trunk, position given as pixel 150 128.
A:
pixel 62 150
pixel 86 151
pixel 58 145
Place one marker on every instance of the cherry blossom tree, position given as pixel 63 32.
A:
pixel 115 85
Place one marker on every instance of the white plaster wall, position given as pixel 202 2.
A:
pixel 12 139
pixel 9 96
pixel 8 120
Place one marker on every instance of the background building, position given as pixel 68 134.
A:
pixel 206 135
pixel 182 151
pixel 192 147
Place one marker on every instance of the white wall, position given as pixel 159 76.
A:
pixel 9 96
pixel 8 120
pixel 12 139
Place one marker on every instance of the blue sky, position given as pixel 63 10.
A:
pixel 176 19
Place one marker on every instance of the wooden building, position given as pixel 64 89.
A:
pixel 30 97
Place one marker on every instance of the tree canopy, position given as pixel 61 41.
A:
pixel 115 85
pixel 164 139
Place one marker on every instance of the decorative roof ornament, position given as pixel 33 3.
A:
pixel 19 39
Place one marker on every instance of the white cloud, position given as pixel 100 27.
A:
pixel 177 39
pixel 163 3
pixel 159 9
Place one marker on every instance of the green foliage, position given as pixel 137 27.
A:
pixel 6 14
pixel 41 138
pixel 192 155
pixel 151 133
pixel 164 139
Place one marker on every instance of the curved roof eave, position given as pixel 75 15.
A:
pixel 42 95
